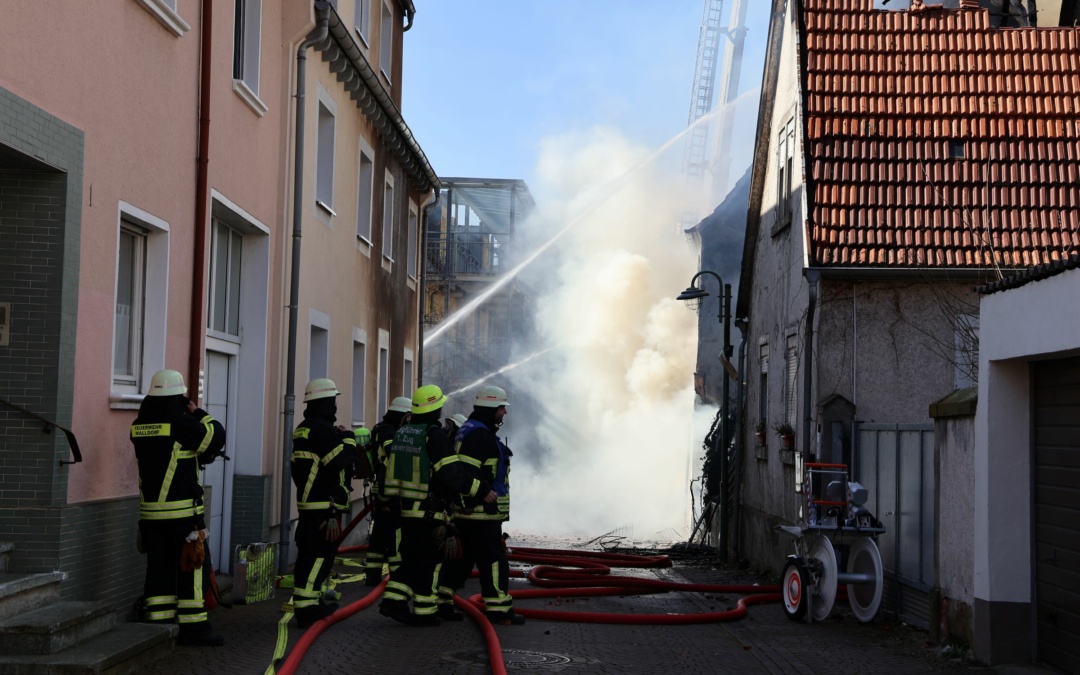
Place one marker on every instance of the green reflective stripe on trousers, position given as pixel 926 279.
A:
pixel 160 600
pixel 161 615
pixel 191 618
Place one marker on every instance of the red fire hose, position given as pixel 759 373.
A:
pixel 562 573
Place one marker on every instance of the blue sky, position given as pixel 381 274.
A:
pixel 486 80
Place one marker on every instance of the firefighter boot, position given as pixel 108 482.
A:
pixel 198 635
pixel 306 616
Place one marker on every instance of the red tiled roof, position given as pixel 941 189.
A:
pixel 890 95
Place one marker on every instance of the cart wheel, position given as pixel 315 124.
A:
pixel 794 590
pixel 821 549
pixel 865 599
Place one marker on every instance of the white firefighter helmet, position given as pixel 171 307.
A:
pixel 401 404
pixel 491 397
pixel 458 419
pixel 167 383
pixel 320 387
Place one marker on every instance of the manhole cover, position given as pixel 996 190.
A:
pixel 519 659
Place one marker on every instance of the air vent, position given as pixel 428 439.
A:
pixel 5 323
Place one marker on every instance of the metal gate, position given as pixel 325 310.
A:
pixel 895 462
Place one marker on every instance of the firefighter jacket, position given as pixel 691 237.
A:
pixel 322 462
pixel 423 472
pixel 486 459
pixel 382 435
pixel 170 448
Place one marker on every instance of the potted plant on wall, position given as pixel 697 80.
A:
pixel 759 432
pixel 786 432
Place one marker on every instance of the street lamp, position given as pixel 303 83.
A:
pixel 693 296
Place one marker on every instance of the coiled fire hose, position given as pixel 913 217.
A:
pixel 559 573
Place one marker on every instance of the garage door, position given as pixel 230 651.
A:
pixel 1057 511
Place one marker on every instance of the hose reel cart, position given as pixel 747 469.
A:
pixel 834 529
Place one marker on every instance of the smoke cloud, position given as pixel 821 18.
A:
pixel 614 436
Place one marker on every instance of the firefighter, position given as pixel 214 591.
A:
pixel 479 522
pixel 383 539
pixel 322 462
pixel 452 424
pixel 173 439
pixel 423 476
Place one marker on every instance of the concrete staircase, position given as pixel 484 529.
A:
pixel 40 634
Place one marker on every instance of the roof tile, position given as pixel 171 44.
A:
pixel 933 139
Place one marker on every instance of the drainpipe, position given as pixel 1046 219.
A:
pixel 808 354
pixel 322 19
pixel 740 442
pixel 423 279
pixel 410 12
pixel 198 282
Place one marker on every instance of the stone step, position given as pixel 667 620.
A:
pixel 25 592
pixel 126 649
pixel 6 547
pixel 55 626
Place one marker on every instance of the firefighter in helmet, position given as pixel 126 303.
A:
pixel 322 464
pixel 383 540
pixel 423 478
pixel 479 522
pixel 173 440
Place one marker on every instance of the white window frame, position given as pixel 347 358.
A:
pixel 155 294
pixel 358 402
pixel 365 194
pixel 362 22
pixel 165 12
pixel 318 321
pixel 784 169
pixel 211 307
pixel 247 53
pixel 411 266
pixel 389 197
pixel 326 131
pixel 386 41
pixel 407 373
pixel 383 368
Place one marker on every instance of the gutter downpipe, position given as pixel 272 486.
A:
pixel 198 282
pixel 740 443
pixel 322 20
pixel 422 295
pixel 808 352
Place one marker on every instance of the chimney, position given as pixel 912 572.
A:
pixel 969 4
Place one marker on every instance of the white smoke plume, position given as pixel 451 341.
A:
pixel 613 443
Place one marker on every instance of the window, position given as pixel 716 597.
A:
pixel 785 162
pixel 226 252
pixel 319 344
pixel 386 42
pixel 388 218
pixel 324 165
pixel 384 370
pixel 364 192
pixel 165 12
pixel 763 384
pixel 414 233
pixel 407 385
pixel 791 358
pixel 359 375
pixel 362 20
pixel 141 303
pixel 247 40
pixel 130 293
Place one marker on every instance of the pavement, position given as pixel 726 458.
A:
pixel 764 641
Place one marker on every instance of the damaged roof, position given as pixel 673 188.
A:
pixel 935 140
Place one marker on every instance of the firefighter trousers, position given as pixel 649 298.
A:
pixel 482 545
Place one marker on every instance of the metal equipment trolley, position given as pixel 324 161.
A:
pixel 834 528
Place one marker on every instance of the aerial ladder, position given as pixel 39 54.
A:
pixel 699 163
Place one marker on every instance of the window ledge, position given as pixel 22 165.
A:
pixel 781 224
pixel 167 16
pixel 363 38
pixel 385 77
pixel 787 457
pixel 411 282
pixel 121 401
pixel 251 98
pixel 761 452
pixel 325 207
